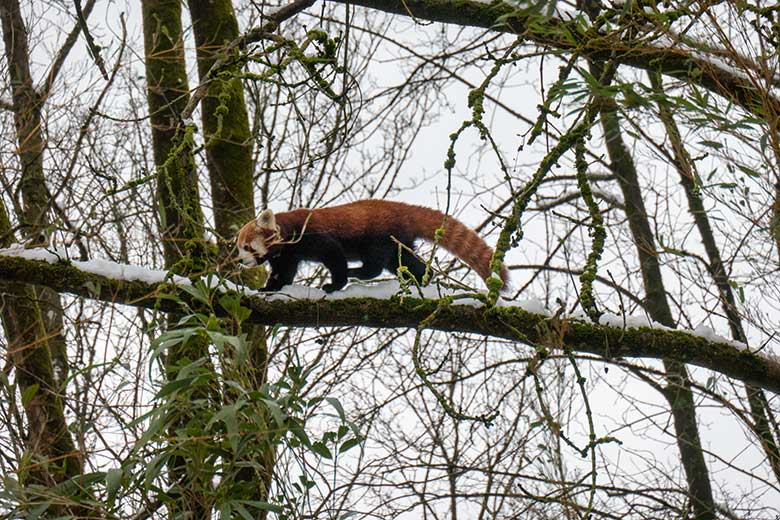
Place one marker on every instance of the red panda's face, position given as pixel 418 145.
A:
pixel 256 238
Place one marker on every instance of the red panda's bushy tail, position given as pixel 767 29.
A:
pixel 460 240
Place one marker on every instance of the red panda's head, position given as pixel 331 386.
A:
pixel 256 238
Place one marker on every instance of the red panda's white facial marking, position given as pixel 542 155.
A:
pixel 256 237
pixel 248 254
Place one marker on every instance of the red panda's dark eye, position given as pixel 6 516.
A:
pixel 247 248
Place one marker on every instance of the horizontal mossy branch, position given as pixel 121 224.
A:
pixel 570 36
pixel 499 322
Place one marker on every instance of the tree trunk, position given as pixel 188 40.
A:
pixel 678 392
pixel 181 218
pixel 759 408
pixel 225 122
pixel 32 316
pixel 230 166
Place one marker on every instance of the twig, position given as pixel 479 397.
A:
pixel 253 35
pixel 94 49
pixel 62 54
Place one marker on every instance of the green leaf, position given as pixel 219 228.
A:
pixel 219 339
pixel 229 415
pixel 265 506
pixel 225 511
pixel 154 468
pixel 276 412
pixel 349 444
pixel 35 513
pixel 321 449
pixel 231 302
pixel 296 428
pixel 113 480
pixel 171 338
pixel 175 386
pixel 307 483
pixel 199 291
pixel 155 427
pixel 243 512
pixel 749 171
pixel 711 144
pixel 29 393
pixel 275 330
pixel 335 403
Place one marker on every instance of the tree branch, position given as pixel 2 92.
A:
pixel 253 35
pixel 65 49
pixel 510 323
pixel 681 63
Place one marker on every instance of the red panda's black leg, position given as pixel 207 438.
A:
pixel 375 257
pixel 332 256
pixel 283 270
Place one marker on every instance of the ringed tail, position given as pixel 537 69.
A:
pixel 460 240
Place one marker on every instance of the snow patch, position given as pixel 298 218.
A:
pixel 636 321
pixel 114 270
pixel 381 291
pixel 534 306
pixel 703 331
pixel 630 322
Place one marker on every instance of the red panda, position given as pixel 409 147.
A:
pixel 377 232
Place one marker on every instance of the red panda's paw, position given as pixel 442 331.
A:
pixel 330 287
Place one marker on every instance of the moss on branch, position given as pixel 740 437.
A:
pixel 499 322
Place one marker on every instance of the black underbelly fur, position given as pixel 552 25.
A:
pixel 376 253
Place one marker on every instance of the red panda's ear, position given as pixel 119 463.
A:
pixel 266 219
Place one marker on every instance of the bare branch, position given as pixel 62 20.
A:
pixel 59 60
pixel 250 36
pixel 94 49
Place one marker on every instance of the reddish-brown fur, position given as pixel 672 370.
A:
pixel 381 218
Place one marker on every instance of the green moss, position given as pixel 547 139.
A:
pixel 225 121
pixel 6 233
pixel 500 322
pixel 599 234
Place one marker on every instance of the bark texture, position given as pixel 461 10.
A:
pixel 230 168
pixel 225 121
pixel 181 217
pixel 32 316
pixel 678 390
pixel 498 322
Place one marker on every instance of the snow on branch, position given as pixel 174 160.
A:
pixel 140 287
